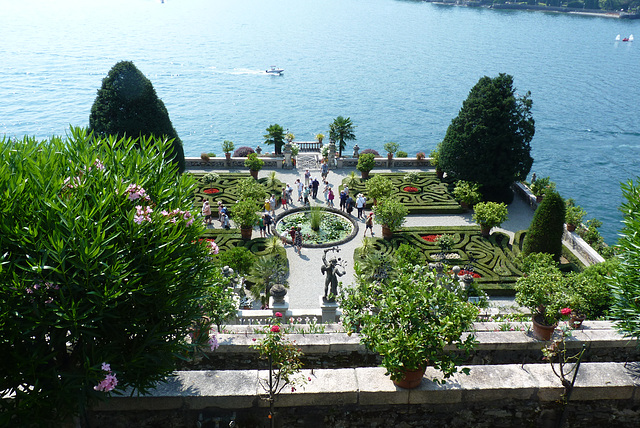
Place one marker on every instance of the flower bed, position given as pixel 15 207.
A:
pixel 211 191
pixel 410 189
pixel 431 238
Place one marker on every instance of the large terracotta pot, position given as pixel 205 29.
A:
pixel 246 233
pixel 412 379
pixel 228 156
pixel 542 331
pixel 576 320
pixel 365 174
pixel 439 173
pixel 571 227
pixel 254 174
pixel 485 230
pixel 386 232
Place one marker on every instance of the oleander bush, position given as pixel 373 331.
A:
pixel 372 151
pixel 242 152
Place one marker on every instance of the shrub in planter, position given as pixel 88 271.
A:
pixel 573 214
pixel 543 292
pixel 489 215
pixel 546 228
pixel 373 152
pixel 467 192
pixel 379 187
pixel 366 162
pixel 401 154
pixel 590 289
pixel 205 157
pixel 253 162
pixel 228 146
pixel 245 213
pixel 420 156
pixel 391 213
pixel 240 259
pixel 407 328
pixel 391 147
pixel 542 186
pixel 242 152
pixel 295 149
pixel 320 137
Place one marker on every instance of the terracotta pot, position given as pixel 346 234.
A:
pixel 464 205
pixel 439 174
pixel 485 230
pixel 571 227
pixel 390 156
pixel 365 174
pixel 386 232
pixel 576 320
pixel 246 233
pixel 254 174
pixel 228 156
pixel 542 331
pixel 412 379
pixel 539 198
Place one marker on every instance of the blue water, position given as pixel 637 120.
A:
pixel 399 69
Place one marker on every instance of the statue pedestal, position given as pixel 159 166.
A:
pixel 281 307
pixel 329 310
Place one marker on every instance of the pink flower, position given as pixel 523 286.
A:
pixel 309 378
pixel 275 328
pixel 108 384
pixel 278 315
pixel 213 342
pixel 565 311
pixel 106 367
pixel 293 389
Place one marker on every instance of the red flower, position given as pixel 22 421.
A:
pixel 410 189
pixel 565 311
pixel 275 328
pixel 431 238
pixel 211 191
pixel 464 272
pixel 278 315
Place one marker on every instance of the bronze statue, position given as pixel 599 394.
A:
pixel 332 269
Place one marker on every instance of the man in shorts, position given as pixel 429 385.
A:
pixel 368 224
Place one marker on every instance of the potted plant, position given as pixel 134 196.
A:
pixel 254 163
pixel 320 137
pixel 573 215
pixel 541 186
pixel 390 213
pixel 489 215
pixel 366 162
pixel 295 149
pixel 406 329
pixel 435 161
pixel 205 157
pixel 379 187
pixel 420 156
pixel 245 214
pixel 467 193
pixel 227 148
pixel 543 292
pixel 391 148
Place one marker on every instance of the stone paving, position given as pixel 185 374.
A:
pixel 306 281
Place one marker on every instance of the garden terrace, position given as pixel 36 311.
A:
pixel 226 187
pixel 426 195
pixel 492 258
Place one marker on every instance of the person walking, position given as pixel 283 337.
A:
pixel 206 212
pixel 300 187
pixel 343 200
pixel 289 190
pixel 261 226
pixel 325 170
pixel 350 204
pixel 305 195
pixel 298 241
pixel 307 177
pixel 268 221
pixel 272 202
pixel 368 224
pixel 315 184
pixel 267 205
pixel 325 190
pixel 330 198
pixel 361 202
pixel 284 198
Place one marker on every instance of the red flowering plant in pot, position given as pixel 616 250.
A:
pixel 417 316
pixel 284 362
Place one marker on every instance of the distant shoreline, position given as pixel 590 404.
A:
pixel 522 6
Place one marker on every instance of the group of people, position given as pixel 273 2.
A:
pixel 223 215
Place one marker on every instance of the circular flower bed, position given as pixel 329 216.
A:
pixel 430 238
pixel 411 189
pixel 211 191
pixel 473 274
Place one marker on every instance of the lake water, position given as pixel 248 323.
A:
pixel 399 69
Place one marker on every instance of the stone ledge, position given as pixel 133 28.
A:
pixel 370 386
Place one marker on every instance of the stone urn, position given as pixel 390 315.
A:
pixel 278 291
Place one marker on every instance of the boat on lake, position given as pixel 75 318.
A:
pixel 275 70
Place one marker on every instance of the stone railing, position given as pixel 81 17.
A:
pixel 270 162
pixel 570 239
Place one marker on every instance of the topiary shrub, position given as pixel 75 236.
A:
pixel 401 154
pixel 242 152
pixel 374 152
pixel 546 229
pixel 240 259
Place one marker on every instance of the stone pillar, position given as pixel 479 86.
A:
pixel 329 310
pixel 332 155
pixel 356 151
pixel 287 156
pixel 258 150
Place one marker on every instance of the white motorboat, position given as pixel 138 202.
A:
pixel 275 70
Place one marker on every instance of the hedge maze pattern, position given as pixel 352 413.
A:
pixel 227 186
pixel 227 239
pixel 492 258
pixel 432 195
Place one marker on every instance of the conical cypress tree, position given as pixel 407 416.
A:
pixel 127 105
pixel 546 228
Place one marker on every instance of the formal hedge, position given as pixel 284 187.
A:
pixel 225 189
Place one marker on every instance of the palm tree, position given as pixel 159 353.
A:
pixel 341 130
pixel 275 136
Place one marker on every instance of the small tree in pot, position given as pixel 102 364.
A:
pixel 366 162
pixel 391 148
pixel 227 148
pixel 391 214
pixel 254 163
pixel 467 193
pixel 245 214
pixel 489 215
pixel 379 187
pixel 573 215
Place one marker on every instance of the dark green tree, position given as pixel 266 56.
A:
pixel 127 105
pixel 546 228
pixel 488 142
pixel 275 136
pixel 341 131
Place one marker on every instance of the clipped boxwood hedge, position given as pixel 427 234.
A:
pixel 426 195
